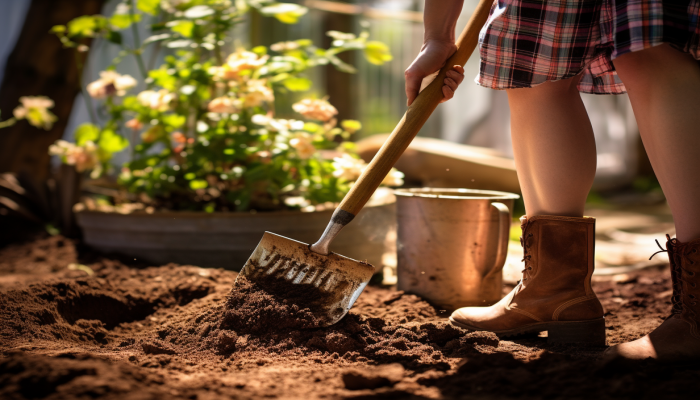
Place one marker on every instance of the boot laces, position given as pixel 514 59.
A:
pixel 525 242
pixel 677 276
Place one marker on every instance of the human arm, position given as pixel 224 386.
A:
pixel 440 18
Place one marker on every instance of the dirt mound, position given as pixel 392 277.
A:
pixel 251 309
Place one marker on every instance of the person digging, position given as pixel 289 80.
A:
pixel 543 53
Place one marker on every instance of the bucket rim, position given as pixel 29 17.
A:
pixel 455 194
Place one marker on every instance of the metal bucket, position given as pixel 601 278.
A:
pixel 452 244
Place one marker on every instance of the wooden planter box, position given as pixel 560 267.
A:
pixel 226 240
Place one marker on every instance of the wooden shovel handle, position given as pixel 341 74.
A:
pixel 414 118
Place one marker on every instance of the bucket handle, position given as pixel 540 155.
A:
pixel 503 237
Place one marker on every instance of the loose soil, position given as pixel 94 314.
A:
pixel 108 329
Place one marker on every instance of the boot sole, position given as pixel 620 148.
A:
pixel 590 333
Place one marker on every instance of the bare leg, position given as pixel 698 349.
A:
pixel 554 148
pixel 664 88
pixel 556 160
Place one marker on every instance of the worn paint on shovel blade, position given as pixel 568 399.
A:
pixel 327 285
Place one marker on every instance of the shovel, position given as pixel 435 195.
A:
pixel 326 283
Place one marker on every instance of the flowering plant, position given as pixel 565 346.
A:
pixel 204 134
pixel 34 109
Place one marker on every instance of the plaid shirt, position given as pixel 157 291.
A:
pixel 529 42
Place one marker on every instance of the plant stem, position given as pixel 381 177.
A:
pixel 137 41
pixel 86 96
pixel 7 123
pixel 217 48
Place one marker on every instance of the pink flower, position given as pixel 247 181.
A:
pixel 320 110
pixel 223 105
pixel 35 110
pixel 236 63
pixel 109 84
pixel 302 144
pixel 159 100
pixel 256 93
pixel 84 157
pixel 134 124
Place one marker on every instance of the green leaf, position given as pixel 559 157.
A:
pixel 162 77
pixel 287 13
pixel 190 175
pixel 178 44
pixel 86 26
pixel 311 127
pixel 341 35
pixel 123 21
pixel 148 6
pixel 198 184
pixel 184 28
pixel 58 29
pixel 112 142
pixel 259 50
pixel 199 12
pixel 297 84
pixel 339 64
pixel 86 133
pixel 377 52
pixel 114 37
pixel 156 38
pixel 174 121
pixel 351 125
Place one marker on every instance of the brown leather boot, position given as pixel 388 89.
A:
pixel 677 339
pixel 555 293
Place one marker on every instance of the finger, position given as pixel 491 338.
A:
pixel 448 93
pixel 456 76
pixel 413 82
pixel 459 69
pixel 412 87
pixel 451 83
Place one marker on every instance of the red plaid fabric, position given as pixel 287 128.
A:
pixel 529 42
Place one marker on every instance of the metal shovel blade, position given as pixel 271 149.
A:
pixel 327 285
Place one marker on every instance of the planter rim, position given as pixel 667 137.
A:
pixel 385 197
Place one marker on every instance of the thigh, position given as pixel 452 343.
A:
pixel 544 95
pixel 643 70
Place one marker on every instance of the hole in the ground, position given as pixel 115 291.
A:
pixel 110 310
pixel 187 294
